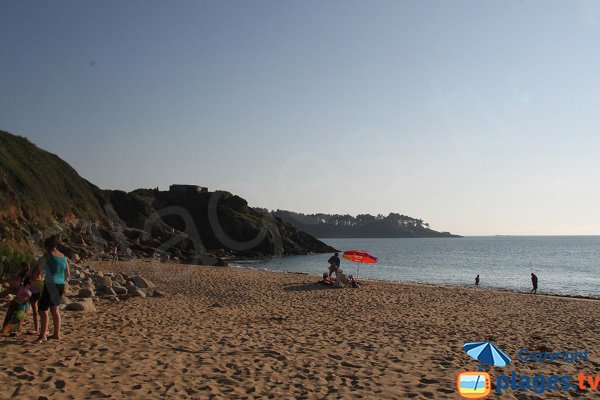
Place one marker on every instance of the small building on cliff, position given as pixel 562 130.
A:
pixel 187 189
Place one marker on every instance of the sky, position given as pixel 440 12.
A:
pixel 479 117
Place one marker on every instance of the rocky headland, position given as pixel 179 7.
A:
pixel 42 195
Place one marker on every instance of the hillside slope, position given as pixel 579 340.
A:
pixel 41 194
pixel 39 188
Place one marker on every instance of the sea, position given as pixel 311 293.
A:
pixel 564 265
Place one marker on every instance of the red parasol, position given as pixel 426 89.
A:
pixel 360 256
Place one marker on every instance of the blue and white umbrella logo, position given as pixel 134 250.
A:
pixel 487 353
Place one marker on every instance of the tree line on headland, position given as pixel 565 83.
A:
pixel 361 226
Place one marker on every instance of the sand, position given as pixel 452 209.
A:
pixel 244 334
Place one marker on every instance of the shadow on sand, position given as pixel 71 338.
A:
pixel 18 341
pixel 306 287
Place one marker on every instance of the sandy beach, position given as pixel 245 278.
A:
pixel 247 334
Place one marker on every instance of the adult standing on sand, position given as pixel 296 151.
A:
pixel 334 263
pixel 534 282
pixel 56 269
pixel 477 280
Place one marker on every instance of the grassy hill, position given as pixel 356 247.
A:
pixel 37 188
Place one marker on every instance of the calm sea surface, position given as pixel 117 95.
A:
pixel 563 264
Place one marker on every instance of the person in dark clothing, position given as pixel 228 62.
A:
pixel 477 280
pixel 534 282
pixel 334 263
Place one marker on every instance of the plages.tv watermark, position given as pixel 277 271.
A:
pixel 478 384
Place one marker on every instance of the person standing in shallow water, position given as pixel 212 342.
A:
pixel 534 282
pixel 477 280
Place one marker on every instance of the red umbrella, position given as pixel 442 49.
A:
pixel 360 256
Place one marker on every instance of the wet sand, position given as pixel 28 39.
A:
pixel 247 334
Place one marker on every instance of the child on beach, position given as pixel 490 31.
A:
pixel 17 309
pixel 37 285
pixel 14 283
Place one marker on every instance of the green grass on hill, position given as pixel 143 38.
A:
pixel 10 261
pixel 40 186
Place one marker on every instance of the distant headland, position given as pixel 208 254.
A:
pixel 362 226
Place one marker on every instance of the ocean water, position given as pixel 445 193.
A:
pixel 563 264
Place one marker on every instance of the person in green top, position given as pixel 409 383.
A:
pixel 56 268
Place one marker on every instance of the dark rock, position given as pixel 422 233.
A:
pixel 86 293
pixel 207 259
pixel 84 306
pixel 141 282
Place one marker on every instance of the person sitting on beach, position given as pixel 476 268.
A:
pixel 18 307
pixel 534 282
pixel 334 263
pixel 56 267
pixel 327 280
pixel 353 282
pixel 341 279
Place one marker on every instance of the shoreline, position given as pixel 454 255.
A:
pixel 448 285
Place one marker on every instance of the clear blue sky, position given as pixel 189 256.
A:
pixel 479 117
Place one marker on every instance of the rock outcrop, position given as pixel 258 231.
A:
pixel 41 195
pixel 109 289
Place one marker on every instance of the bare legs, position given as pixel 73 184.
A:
pixel 57 322
pixel 36 319
pixel 44 328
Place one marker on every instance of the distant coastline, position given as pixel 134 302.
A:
pixel 361 226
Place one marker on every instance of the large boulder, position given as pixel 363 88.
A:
pixel 83 306
pixel 142 283
pixel 131 288
pixel 120 290
pixel 86 293
pixel 103 282
pixel 109 291
pixel 118 278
